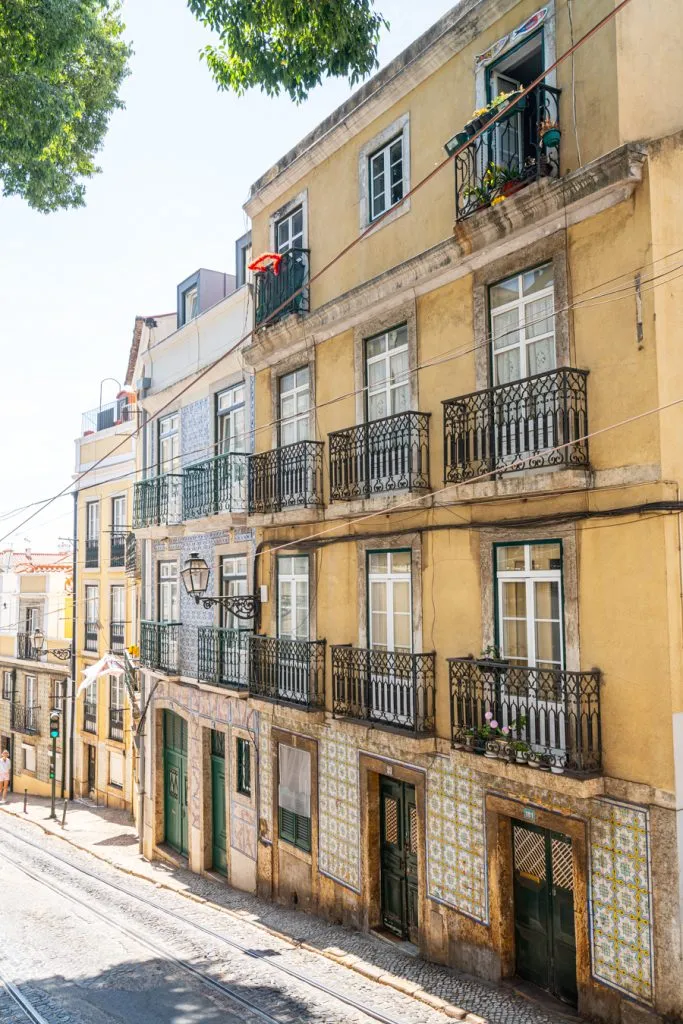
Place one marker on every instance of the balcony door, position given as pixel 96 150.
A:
pixel 391 694
pixel 289 231
pixel 293 621
pixel 295 406
pixel 168 612
pixel 512 141
pixel 118 617
pixel 233 647
pixel 118 514
pixel 387 460
pixel 231 436
pixel 92 616
pixel 169 461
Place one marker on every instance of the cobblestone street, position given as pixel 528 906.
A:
pixel 76 967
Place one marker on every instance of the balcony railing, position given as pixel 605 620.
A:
pixel 117 637
pixel 92 553
pixel 390 454
pixel 25 649
pixel 131 555
pixel 272 289
pixel 553 716
pixel 25 718
pixel 159 645
pixel 540 421
pixel 215 485
pixel 108 415
pixel 391 687
pixel 115 723
pixel 158 501
pixel 286 477
pixel 91 635
pixel 117 549
pixel 511 153
pixel 89 716
pixel 223 656
pixel 292 671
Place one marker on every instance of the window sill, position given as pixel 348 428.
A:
pixel 394 213
pixel 295 851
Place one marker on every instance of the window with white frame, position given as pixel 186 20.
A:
pixel 169 444
pixel 116 769
pixel 118 514
pixel 7 684
pixel 293 596
pixel 31 691
pixel 56 694
pixel 29 758
pixel 168 591
pixel 117 690
pixel 230 420
pixel 190 303
pixel 386 369
pixel 522 325
pixel 234 583
pixel 32 618
pixel 294 796
pixel 92 605
pixel 529 601
pixel 92 526
pixel 389 599
pixel 386 177
pixel 289 231
pixel 295 406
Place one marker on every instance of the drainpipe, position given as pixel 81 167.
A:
pixel 74 603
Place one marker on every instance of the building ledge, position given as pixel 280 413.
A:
pixel 288 517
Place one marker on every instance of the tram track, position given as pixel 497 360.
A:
pixel 18 997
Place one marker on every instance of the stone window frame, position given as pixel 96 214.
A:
pixel 231 381
pixel 547 250
pixel 404 313
pixel 309 744
pixel 296 361
pixel 391 542
pixel 300 199
pixel 401 126
pixel 238 732
pixel 313 574
pixel 238 549
pixel 489 537
pixel 549 29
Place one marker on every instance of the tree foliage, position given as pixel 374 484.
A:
pixel 62 63
pixel 289 45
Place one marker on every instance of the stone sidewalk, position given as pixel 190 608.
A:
pixel 110 835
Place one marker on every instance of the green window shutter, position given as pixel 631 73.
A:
pixel 287 829
pixel 243 766
pixel 303 833
pixel 247 768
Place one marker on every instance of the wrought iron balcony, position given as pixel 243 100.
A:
pixel 131 555
pixel 291 671
pixel 25 648
pixel 540 421
pixel 386 455
pixel 274 287
pixel 89 716
pixel 553 716
pixel 286 477
pixel 393 688
pixel 117 637
pixel 91 635
pixel 116 723
pixel 215 485
pixel 92 553
pixel 25 718
pixel 117 549
pixel 223 656
pixel 158 501
pixel 511 153
pixel 159 645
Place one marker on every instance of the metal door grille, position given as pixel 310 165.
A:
pixel 390 820
pixel 563 874
pixel 529 848
pixel 413 829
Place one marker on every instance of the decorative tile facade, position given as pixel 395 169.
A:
pixel 243 828
pixel 456 841
pixel 266 778
pixel 621 904
pixel 195 426
pixel 339 810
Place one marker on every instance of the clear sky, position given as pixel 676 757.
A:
pixel 176 167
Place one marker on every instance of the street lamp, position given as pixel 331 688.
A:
pixel 195 577
pixel 38 644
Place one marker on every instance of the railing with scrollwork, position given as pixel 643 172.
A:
pixel 540 421
pixel 223 656
pixel 91 635
pixel 215 485
pixel 92 553
pixel 131 555
pixel 292 671
pixel 511 153
pixel 158 501
pixel 385 455
pixel 117 549
pixel 116 723
pixel 89 716
pixel 543 717
pixel 25 718
pixel 25 648
pixel 391 687
pixel 275 286
pixel 286 477
pixel 117 637
pixel 159 645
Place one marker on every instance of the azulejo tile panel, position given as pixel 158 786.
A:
pixel 621 902
pixel 339 810
pixel 456 840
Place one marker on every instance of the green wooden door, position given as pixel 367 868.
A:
pixel 175 782
pixel 218 819
pixel 398 856
pixel 545 942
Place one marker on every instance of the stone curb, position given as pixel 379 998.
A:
pixel 349 960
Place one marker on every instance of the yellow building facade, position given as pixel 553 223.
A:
pixel 466 491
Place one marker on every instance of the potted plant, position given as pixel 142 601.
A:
pixel 489 733
pixel 549 133
pixel 505 99
pixel 477 120
pixel 505 744
pixel 521 749
pixel 478 194
pixel 557 765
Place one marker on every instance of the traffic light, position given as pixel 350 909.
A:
pixel 54 725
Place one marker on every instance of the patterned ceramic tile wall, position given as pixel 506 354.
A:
pixel 621 904
pixel 266 777
pixel 339 810
pixel 456 842
pixel 195 429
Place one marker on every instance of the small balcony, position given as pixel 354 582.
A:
pixel 92 553
pixel 281 290
pixel 91 635
pixel 116 724
pixel 117 637
pixel 89 716
pixel 287 671
pixel 538 422
pixel 158 501
pixel 552 716
pixel 111 414
pixel 216 485
pixel 159 646
pixel 25 648
pixel 393 688
pixel 383 456
pixel 286 477
pixel 521 147
pixel 131 562
pixel 25 719
pixel 223 656
pixel 117 549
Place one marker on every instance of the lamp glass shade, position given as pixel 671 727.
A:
pixel 195 576
pixel 38 639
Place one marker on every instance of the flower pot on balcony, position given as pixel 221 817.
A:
pixel 550 139
pixel 510 187
pixel 557 769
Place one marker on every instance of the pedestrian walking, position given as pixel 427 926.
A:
pixel 5 772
